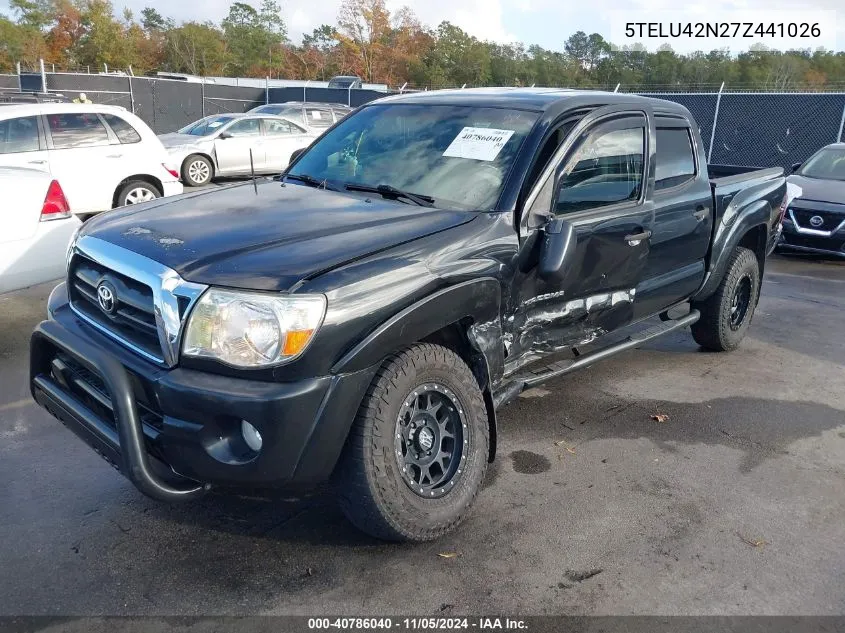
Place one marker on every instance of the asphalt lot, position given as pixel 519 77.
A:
pixel 734 505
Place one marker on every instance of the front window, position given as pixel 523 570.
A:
pixel 828 164
pixel 607 169
pixel 245 127
pixel 205 127
pixel 458 155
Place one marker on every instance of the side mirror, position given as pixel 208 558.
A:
pixel 223 136
pixel 796 167
pixel 296 154
pixel 557 251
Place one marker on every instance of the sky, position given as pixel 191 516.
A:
pixel 545 22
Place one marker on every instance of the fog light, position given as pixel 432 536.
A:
pixel 251 436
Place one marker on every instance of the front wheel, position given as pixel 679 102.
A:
pixel 417 452
pixel 726 315
pixel 197 171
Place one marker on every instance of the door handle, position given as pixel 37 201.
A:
pixel 635 238
pixel 115 156
pixel 38 162
pixel 701 212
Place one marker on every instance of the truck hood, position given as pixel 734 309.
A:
pixel 820 190
pixel 268 240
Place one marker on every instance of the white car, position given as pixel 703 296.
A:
pixel 37 228
pixel 104 156
pixel 220 145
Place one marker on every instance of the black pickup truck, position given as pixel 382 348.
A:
pixel 360 319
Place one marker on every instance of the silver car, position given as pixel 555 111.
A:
pixel 220 145
pixel 311 114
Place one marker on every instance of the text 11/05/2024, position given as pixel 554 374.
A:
pixel 417 624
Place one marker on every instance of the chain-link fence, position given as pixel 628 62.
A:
pixel 751 128
pixel 763 128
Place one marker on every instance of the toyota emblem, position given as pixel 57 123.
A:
pixel 816 221
pixel 105 297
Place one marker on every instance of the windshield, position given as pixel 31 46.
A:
pixel 206 126
pixel 828 164
pixel 458 155
pixel 270 109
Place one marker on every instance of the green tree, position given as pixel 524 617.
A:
pixel 457 58
pixel 253 36
pixel 195 48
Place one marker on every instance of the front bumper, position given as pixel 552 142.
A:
pixel 826 237
pixel 175 432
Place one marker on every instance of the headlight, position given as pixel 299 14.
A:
pixel 247 329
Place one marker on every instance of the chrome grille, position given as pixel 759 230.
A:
pixel 134 315
pixel 830 221
pixel 149 304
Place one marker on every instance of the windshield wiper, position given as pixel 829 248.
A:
pixel 389 191
pixel 311 181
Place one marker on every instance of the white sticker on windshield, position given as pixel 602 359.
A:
pixel 316 115
pixel 215 124
pixel 478 143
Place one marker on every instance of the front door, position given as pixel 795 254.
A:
pixel 234 144
pixel 596 184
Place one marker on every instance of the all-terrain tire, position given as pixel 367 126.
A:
pixel 724 322
pixel 373 492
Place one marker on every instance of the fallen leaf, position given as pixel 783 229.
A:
pixel 563 443
pixel 757 542
pixel 660 417
pixel 449 555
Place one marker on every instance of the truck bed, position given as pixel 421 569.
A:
pixel 722 175
pixel 727 181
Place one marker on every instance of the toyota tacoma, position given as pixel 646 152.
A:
pixel 360 319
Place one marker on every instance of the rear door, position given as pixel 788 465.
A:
pixel 22 143
pixel 233 150
pixel 597 183
pixel 281 139
pixel 85 158
pixel 683 218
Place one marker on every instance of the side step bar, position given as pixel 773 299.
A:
pixel 526 381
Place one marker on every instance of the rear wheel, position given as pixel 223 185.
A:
pixel 197 171
pixel 726 315
pixel 417 453
pixel 136 192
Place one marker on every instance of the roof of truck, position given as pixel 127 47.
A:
pixel 538 99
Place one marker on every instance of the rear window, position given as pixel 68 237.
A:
pixel 70 131
pixel 675 159
pixel 319 117
pixel 19 135
pixel 124 132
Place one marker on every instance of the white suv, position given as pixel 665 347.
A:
pixel 104 156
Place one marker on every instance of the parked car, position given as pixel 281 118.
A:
pixel 16 96
pixel 815 220
pixel 37 228
pixel 345 81
pixel 104 156
pixel 316 116
pixel 234 145
pixel 362 320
